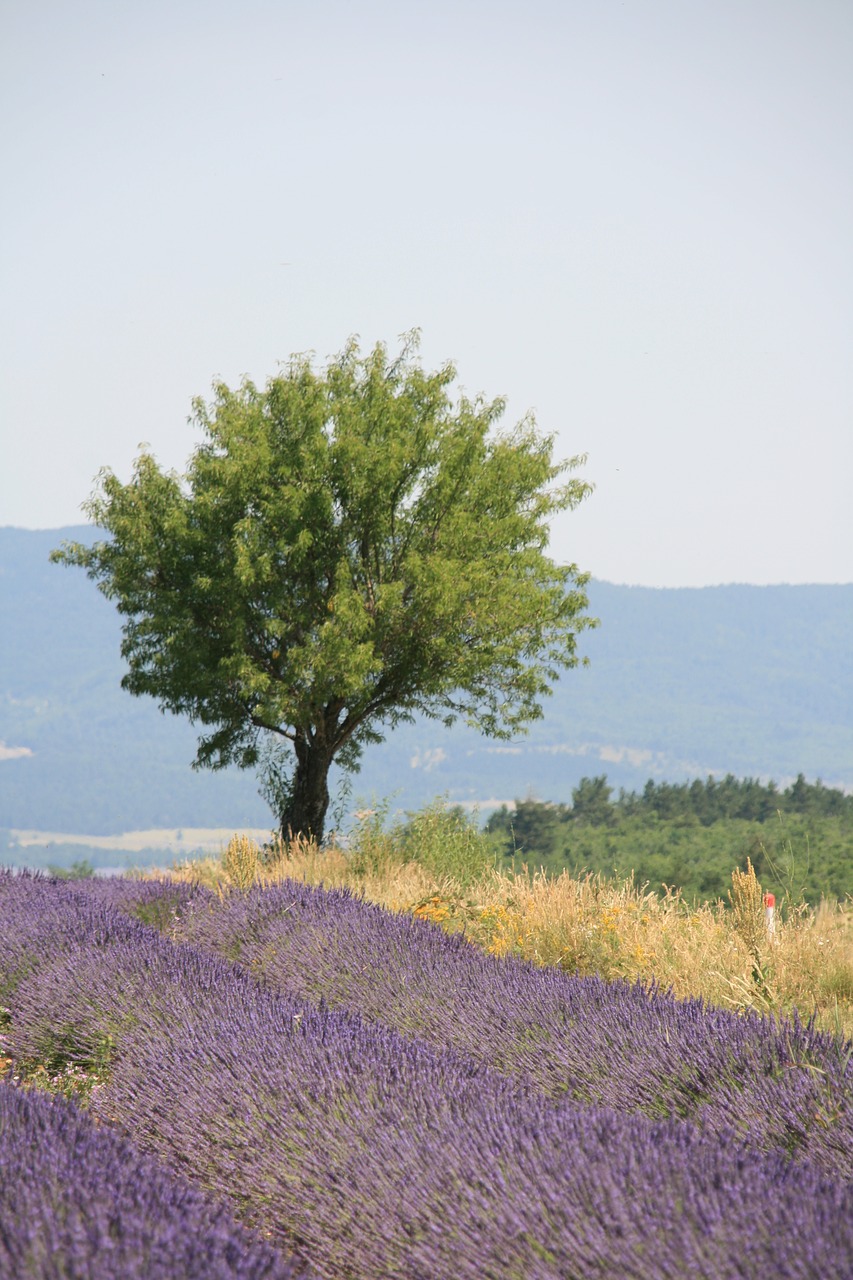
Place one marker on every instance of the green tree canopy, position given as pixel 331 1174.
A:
pixel 348 547
pixel 591 801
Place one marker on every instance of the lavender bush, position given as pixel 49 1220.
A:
pixel 378 1155
pixel 81 1201
pixel 780 1086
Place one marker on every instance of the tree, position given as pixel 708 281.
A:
pixel 533 827
pixel 347 548
pixel 591 802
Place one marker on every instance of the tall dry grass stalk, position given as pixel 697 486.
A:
pixel 590 925
pixel 241 862
pixel 747 901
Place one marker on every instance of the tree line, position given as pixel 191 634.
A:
pixel 690 835
pixel 748 799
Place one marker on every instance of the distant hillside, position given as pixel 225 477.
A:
pixel 754 681
pixel 102 762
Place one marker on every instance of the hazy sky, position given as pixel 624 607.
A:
pixel 635 218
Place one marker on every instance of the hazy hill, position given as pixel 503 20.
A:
pixel 756 681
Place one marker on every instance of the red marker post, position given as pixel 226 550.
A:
pixel 770 914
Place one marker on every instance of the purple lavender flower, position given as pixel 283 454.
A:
pixel 77 1200
pixel 381 1156
pixel 780 1085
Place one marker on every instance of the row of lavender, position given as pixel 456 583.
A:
pixel 78 1200
pixel 374 1154
pixel 779 1087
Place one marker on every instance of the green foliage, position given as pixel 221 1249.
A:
pixel 372 846
pixel 591 802
pixel 447 842
pixel 82 869
pixel 347 549
pixel 688 836
pixel 160 912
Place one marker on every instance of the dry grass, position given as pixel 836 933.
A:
pixel 724 955
pixel 398 885
pixel 617 929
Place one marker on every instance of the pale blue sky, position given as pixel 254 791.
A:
pixel 634 218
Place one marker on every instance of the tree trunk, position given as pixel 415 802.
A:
pixel 305 814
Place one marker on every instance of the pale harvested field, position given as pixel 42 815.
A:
pixel 180 840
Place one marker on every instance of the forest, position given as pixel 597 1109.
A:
pixel 689 835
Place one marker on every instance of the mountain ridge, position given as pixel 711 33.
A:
pixel 683 682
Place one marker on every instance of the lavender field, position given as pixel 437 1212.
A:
pixel 291 1082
